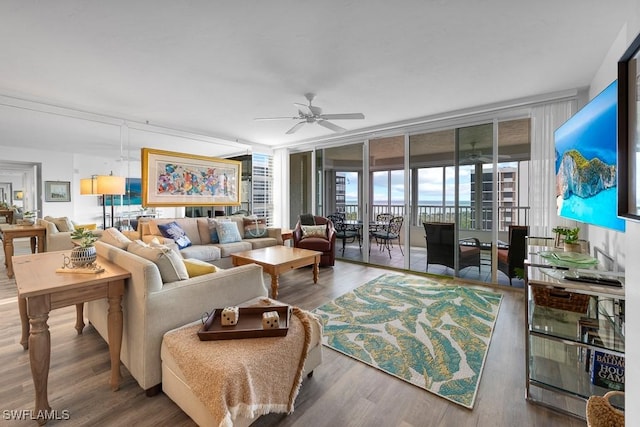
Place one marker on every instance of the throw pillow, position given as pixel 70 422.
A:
pixel 155 243
pixel 114 237
pixel 314 231
pixel 170 265
pixel 254 228
pixel 173 231
pixel 213 231
pixel 196 267
pixel 228 232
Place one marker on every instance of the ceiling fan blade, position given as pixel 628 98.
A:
pixel 295 128
pixel 331 126
pixel 303 109
pixel 345 116
pixel 275 118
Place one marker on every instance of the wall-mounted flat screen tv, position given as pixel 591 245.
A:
pixel 586 163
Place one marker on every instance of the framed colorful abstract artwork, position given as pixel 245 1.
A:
pixel 180 179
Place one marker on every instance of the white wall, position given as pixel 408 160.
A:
pixel 623 246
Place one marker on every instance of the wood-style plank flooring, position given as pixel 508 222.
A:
pixel 342 392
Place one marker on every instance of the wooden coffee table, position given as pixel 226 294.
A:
pixel 276 260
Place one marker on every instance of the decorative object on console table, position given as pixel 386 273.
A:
pixel 28 218
pixel 570 239
pixel 84 254
pixel 209 181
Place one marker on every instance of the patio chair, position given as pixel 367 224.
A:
pixel 387 234
pixel 513 258
pixel 441 246
pixel 344 231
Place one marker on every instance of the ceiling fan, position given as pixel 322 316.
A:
pixel 312 114
pixel 476 156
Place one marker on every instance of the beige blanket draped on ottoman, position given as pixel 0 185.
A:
pixel 247 377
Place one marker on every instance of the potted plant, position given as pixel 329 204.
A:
pixel 84 253
pixel 28 218
pixel 570 238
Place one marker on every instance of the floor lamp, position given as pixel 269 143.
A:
pixel 89 186
pixel 109 185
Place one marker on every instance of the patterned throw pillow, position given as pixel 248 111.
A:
pixel 213 231
pixel 173 231
pixel 228 232
pixel 314 231
pixel 254 227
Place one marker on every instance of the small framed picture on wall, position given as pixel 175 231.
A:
pixel 57 191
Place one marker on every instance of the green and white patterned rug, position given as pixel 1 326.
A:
pixel 432 335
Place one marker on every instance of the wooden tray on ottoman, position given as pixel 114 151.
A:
pixel 249 324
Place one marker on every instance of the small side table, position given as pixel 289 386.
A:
pixel 286 235
pixel 10 232
pixel 41 290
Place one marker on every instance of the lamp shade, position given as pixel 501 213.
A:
pixel 110 185
pixel 89 186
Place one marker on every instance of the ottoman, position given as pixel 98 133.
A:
pixel 176 385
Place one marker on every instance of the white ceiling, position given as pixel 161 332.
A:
pixel 211 67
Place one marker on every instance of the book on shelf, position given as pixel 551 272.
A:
pixel 607 370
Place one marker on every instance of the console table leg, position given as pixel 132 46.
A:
pixel 40 353
pixel 114 331
pixel 79 318
pixel 24 321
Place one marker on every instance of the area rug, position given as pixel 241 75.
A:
pixel 432 335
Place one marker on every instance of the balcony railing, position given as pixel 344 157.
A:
pixel 507 215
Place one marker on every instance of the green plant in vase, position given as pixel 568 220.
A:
pixel 84 253
pixel 571 237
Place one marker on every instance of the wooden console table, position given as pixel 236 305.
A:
pixel 41 289
pixel 10 232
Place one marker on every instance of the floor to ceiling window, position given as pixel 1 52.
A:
pixel 475 177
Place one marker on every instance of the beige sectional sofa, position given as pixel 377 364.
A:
pixel 199 231
pixel 151 307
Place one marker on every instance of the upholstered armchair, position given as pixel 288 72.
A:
pixel 319 237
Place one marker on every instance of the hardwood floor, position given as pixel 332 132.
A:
pixel 342 392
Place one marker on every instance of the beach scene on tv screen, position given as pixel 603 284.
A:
pixel 586 156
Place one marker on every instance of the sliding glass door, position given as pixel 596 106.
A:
pixel 473 177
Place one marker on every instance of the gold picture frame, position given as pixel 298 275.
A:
pixel 180 179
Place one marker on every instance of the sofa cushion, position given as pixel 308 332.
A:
pixel 196 267
pixel 228 232
pixel 232 248
pixel 115 238
pixel 254 227
pixel 314 231
pixel 201 252
pixel 213 231
pixel 170 265
pixel 173 231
